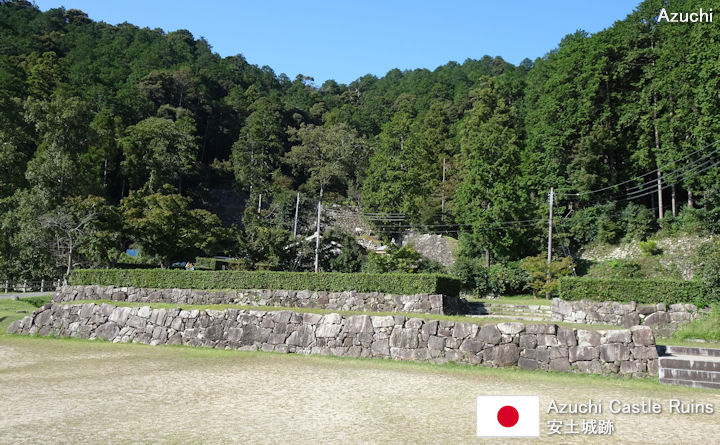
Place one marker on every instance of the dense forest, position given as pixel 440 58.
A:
pixel 117 137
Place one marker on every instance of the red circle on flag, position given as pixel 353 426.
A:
pixel 508 416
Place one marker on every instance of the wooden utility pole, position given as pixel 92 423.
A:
pixel 660 197
pixel 297 206
pixel 442 202
pixel 259 202
pixel 550 224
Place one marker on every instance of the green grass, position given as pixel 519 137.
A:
pixel 11 310
pixel 513 299
pixel 455 318
pixel 705 328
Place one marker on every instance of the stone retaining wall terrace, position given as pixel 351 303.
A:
pixel 345 301
pixel 658 316
pixel 533 346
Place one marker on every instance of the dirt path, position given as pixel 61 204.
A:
pixel 59 391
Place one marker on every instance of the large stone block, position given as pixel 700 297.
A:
pixel 490 334
pixel 528 341
pixel 588 338
pixel 560 365
pixel 642 336
pixel 511 328
pixel 107 331
pixel 359 323
pixel 465 330
pixel 404 338
pixel 619 336
pixel 303 337
pixel 644 352
pixel 613 352
pixel 381 348
pixel 657 318
pixel 590 367
pixel 566 337
pixel 504 355
pixel 529 364
pixel 382 321
pixel 583 353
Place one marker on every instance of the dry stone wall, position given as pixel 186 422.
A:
pixel 341 301
pixel 658 316
pixel 533 346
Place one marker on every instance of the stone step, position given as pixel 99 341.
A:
pixel 693 383
pixel 688 351
pixel 689 366
pixel 690 374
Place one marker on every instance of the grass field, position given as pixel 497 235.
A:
pixel 77 391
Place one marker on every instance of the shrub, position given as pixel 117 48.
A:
pixel 639 291
pixel 507 279
pixel 544 276
pixel 648 248
pixel 472 274
pixel 204 263
pixel 230 279
pixel 617 269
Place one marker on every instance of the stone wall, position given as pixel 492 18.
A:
pixel 340 301
pixel 533 346
pixel 658 316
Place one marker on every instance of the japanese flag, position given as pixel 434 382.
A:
pixel 508 416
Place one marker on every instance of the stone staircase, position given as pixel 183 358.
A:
pixel 689 366
pixel 531 312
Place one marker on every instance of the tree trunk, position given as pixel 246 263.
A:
pixel 691 200
pixel 487 258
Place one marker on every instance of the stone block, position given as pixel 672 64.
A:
pixel 646 309
pixel 380 348
pixel 642 336
pixel 359 323
pixel 472 346
pixel 436 343
pixel 490 334
pixel 429 328
pixel 511 328
pixel 465 330
pixel 529 364
pixel 404 338
pixel 657 318
pixel 558 352
pixel 644 352
pixel 590 367
pixel 547 340
pixel 504 355
pixel 619 336
pixel 327 330
pixel 629 320
pixel 583 353
pixel 588 338
pixel 560 365
pixel 382 321
pixel 303 337
pixel 528 341
pixel 566 337
pixel 613 352
pixel 548 329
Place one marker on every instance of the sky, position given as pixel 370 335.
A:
pixel 344 40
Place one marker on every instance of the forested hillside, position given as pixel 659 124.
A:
pixel 114 137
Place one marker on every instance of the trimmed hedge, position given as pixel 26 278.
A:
pixel 637 290
pixel 205 263
pixel 406 284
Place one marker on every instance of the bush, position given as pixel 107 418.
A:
pixel 543 276
pixel 507 279
pixel 639 291
pixel 205 263
pixel 472 274
pixel 616 269
pixel 648 248
pixel 230 279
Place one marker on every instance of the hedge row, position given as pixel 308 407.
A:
pixel 206 263
pixel 406 284
pixel 642 291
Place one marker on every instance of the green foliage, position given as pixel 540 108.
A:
pixel 707 328
pixel 616 269
pixel 267 246
pixel 545 276
pixel 400 259
pixel 649 248
pixel 164 226
pixel 709 268
pixel 507 279
pixel 205 263
pixel 345 255
pixel 641 291
pixel 322 281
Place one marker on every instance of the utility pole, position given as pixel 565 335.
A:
pixel 674 205
pixel 297 206
pixel 660 196
pixel 317 235
pixel 259 202
pixel 550 224
pixel 442 202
